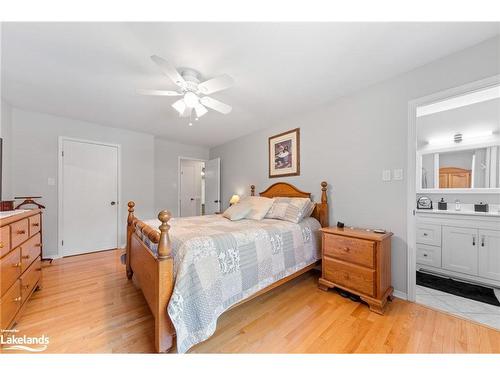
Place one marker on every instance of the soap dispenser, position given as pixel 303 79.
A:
pixel 442 205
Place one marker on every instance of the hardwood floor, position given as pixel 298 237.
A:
pixel 87 305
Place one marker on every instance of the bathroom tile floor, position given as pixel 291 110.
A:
pixel 469 309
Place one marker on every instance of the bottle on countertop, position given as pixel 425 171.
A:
pixel 442 205
pixel 458 205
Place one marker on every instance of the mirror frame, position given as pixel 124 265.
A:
pixel 451 148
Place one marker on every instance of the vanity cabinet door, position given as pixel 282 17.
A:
pixel 460 250
pixel 489 254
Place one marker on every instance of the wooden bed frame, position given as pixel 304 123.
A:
pixel 154 273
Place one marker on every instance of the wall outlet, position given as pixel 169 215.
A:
pixel 386 175
pixel 397 174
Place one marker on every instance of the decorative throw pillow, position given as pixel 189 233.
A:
pixel 237 211
pixel 291 209
pixel 260 206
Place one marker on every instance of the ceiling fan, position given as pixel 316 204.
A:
pixel 193 91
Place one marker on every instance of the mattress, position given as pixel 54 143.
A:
pixel 218 263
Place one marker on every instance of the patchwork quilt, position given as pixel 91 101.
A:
pixel 218 263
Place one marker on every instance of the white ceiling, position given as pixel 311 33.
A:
pixel 90 71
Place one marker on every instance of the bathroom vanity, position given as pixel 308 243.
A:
pixel 461 244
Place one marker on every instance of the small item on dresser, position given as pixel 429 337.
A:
pixel 29 201
pixel 6 205
pixel 442 205
pixel 481 207
pixel 340 224
pixel 380 231
pixel 424 203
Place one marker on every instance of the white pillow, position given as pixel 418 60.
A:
pixel 237 211
pixel 260 206
pixel 291 209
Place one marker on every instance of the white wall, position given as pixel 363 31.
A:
pixel 6 135
pixel 35 159
pixel 167 171
pixel 349 142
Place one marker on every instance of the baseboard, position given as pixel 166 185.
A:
pixel 399 294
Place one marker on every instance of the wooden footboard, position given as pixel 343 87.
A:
pixel 154 273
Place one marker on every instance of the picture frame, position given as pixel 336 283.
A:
pixel 284 154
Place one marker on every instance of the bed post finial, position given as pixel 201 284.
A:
pixel 164 249
pixel 252 190
pixel 131 206
pixel 323 192
pixel 130 230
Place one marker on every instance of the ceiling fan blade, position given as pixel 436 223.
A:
pixel 200 110
pixel 169 70
pixel 216 105
pixel 215 84
pixel 158 92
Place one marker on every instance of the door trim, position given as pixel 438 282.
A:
pixel 60 187
pixel 179 158
pixel 411 168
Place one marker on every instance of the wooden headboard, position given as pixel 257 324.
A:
pixel 283 189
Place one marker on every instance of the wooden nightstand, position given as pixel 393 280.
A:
pixel 359 262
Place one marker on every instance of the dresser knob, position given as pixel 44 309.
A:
pixel 36 224
pixel 1 245
pixel 17 299
pixel 25 256
pixel 38 245
pixel 17 264
pixel 347 249
pixel 22 231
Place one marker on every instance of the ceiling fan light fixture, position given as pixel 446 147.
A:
pixel 200 110
pixel 191 99
pixel 180 106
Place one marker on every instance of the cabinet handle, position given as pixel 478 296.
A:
pixel 17 299
pixel 36 224
pixel 25 256
pixel 425 234
pixel 425 255
pixel 482 241
pixel 473 240
pixel 38 245
pixel 21 231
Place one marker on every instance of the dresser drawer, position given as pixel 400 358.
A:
pixel 10 304
pixel 34 224
pixel 30 250
pixel 429 234
pixel 10 269
pixel 30 278
pixel 429 255
pixel 4 240
pixel 19 232
pixel 351 276
pixel 352 250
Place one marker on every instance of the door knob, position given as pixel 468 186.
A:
pixel 113 203
pixel 192 199
pixel 216 201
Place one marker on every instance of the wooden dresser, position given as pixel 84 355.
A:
pixel 20 263
pixel 359 262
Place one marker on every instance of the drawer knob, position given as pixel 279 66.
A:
pixel 26 256
pixel 17 299
pixel 38 245
pixel 21 231
pixel 36 224
pixel 1 245
pixel 425 234
pixel 425 255
pixel 347 249
pixel 17 264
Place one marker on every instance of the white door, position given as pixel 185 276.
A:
pixel 212 186
pixel 89 197
pixel 460 247
pixel 489 254
pixel 188 189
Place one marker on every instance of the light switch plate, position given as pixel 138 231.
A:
pixel 397 174
pixel 386 175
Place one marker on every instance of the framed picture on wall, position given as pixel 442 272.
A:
pixel 284 154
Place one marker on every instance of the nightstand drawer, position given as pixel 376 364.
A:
pixel 351 276
pixel 353 250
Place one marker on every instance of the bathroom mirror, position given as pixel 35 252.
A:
pixel 458 144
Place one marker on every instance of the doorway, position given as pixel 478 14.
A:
pixel 89 190
pixel 453 201
pixel 199 186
